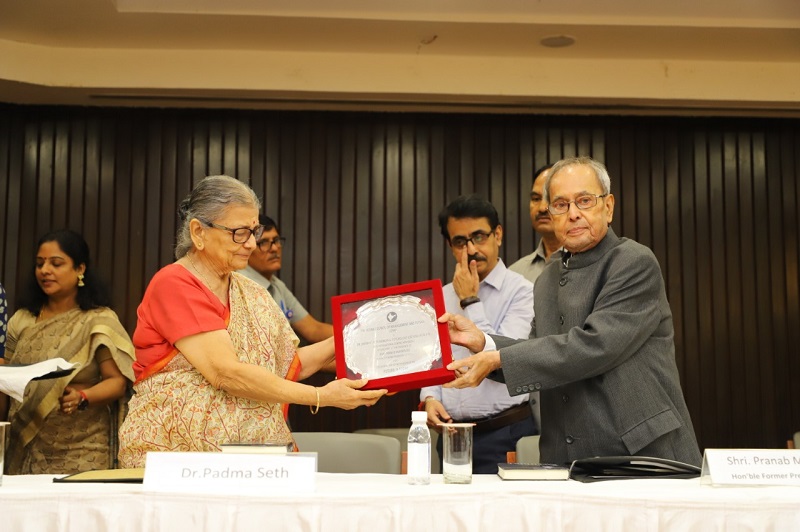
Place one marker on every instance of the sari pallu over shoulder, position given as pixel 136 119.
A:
pixel 75 336
pixel 164 415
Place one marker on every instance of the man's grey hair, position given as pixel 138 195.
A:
pixel 209 201
pixel 599 169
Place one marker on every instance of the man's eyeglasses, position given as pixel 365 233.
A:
pixel 586 201
pixel 477 238
pixel 240 235
pixel 266 244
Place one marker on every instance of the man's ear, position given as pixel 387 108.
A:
pixel 498 234
pixel 609 200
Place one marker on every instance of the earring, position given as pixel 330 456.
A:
pixel 80 280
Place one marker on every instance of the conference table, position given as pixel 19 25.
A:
pixel 386 503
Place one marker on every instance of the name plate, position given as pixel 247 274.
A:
pixel 770 467
pixel 247 474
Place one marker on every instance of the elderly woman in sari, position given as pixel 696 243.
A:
pixel 216 359
pixel 67 424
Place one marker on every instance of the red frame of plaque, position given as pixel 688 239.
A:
pixel 394 383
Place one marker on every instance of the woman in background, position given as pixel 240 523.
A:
pixel 68 424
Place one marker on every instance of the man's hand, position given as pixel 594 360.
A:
pixel 463 332
pixel 465 279
pixel 472 370
pixel 436 414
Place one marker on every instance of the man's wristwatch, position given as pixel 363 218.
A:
pixel 467 301
pixel 84 402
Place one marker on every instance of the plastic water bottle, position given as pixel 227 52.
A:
pixel 419 449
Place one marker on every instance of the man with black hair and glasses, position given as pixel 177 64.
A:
pixel 264 264
pixel 499 301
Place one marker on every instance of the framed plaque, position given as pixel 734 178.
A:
pixel 391 337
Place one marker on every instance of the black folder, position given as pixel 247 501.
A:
pixel 629 467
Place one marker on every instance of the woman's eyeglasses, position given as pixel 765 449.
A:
pixel 240 235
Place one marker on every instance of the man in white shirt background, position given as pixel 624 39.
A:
pixel 263 266
pixel 498 301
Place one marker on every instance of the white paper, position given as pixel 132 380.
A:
pixel 14 379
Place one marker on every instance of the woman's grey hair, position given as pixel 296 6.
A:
pixel 209 201
pixel 599 169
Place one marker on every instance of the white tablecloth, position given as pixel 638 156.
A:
pixel 387 502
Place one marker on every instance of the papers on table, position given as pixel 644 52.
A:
pixel 127 476
pixel 14 378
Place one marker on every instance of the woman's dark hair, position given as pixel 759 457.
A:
pixel 92 295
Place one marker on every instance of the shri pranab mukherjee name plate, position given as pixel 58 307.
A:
pixel 391 337
pixel 751 467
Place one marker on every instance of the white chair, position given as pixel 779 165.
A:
pixel 401 435
pixel 345 452
pixel 528 450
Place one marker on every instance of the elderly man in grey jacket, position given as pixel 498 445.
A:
pixel 601 350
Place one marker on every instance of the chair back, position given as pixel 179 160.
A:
pixel 345 452
pixel 401 435
pixel 528 450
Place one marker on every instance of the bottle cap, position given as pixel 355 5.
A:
pixel 419 415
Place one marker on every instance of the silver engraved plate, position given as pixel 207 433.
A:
pixel 393 335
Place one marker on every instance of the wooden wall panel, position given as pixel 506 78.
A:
pixel 358 194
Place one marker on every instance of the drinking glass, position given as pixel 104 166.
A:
pixel 457 460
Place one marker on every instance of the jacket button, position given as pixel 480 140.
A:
pixel 533 401
pixel 525 389
pixel 561 319
pixel 563 281
pixel 519 389
pixel 565 398
pixel 537 386
pixel 569 439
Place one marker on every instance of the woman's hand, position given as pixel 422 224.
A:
pixel 345 394
pixel 109 389
pixel 212 354
pixel 70 399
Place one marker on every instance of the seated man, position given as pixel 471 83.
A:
pixel 499 301
pixel 264 264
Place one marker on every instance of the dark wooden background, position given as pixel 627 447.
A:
pixel 357 196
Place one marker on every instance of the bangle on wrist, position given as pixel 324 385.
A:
pixel 467 301
pixel 84 402
pixel 315 409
